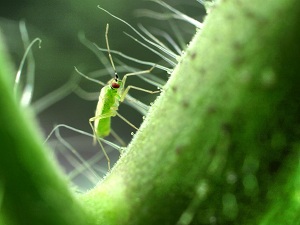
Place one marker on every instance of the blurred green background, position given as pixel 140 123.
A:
pixel 58 24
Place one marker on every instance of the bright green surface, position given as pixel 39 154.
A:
pixel 220 144
pixel 32 190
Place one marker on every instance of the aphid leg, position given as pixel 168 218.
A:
pixel 96 137
pixel 101 146
pixel 99 117
pixel 125 120
pixel 136 73
pixel 134 87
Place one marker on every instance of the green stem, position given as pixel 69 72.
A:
pixel 221 142
pixel 220 145
pixel 32 190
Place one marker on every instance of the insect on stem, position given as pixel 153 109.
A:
pixel 109 99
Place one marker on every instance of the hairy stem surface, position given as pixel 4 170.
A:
pixel 221 142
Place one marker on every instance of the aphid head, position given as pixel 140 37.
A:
pixel 116 83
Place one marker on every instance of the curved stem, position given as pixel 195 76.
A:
pixel 220 140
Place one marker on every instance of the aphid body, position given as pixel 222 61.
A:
pixel 109 98
pixel 107 106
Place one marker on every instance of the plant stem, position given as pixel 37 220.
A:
pixel 32 189
pixel 221 143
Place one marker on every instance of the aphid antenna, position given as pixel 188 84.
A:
pixel 153 80
pixel 103 72
pixel 135 30
pixel 102 58
pixel 168 70
pixel 108 51
pixel 100 55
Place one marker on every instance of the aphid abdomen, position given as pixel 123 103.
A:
pixel 103 127
pixel 106 108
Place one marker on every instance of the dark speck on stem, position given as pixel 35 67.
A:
pixel 212 110
pixel 226 127
pixel 185 104
pixel 193 55
pixel 174 89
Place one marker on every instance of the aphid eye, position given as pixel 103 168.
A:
pixel 115 85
